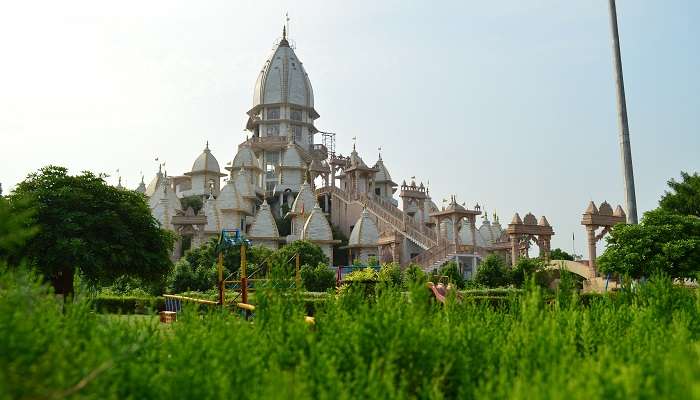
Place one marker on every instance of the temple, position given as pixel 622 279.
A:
pixel 287 182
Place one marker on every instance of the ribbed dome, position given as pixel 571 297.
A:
pixel 283 79
pixel 291 158
pixel 305 201
pixel 243 185
pixel 206 162
pixel 317 227
pixel 365 232
pixel 245 158
pixel 264 225
pixel 383 174
pixel 229 199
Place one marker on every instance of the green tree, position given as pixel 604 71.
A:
pixel 15 229
pixel 88 226
pixel 524 268
pixel 195 202
pixel 317 279
pixel 492 272
pixel 310 254
pixel 413 274
pixel 391 273
pixel 451 271
pixel 559 254
pixel 662 242
pixel 684 197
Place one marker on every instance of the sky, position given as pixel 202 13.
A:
pixel 510 104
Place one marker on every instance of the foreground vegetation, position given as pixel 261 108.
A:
pixel 641 344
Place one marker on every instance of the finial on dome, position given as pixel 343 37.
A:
pixel 207 146
pixel 380 153
pixel 284 32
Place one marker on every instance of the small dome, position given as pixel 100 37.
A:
pixel 142 187
pixel 619 212
pixel 305 200
pixel 230 200
pixel 243 185
pixel 365 232
pixel 292 158
pixel 530 219
pixel 383 175
pixel 264 225
pixel 605 209
pixel 245 158
pixel 591 209
pixel 516 220
pixel 206 162
pixel 317 226
pixel 356 160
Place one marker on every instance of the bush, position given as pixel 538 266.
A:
pixel 492 272
pixel 317 279
pixel 524 268
pixel 390 273
pixel 451 271
pixel 128 304
pixel 309 254
pixel 187 277
pixel 413 274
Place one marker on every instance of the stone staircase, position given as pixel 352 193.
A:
pixel 390 214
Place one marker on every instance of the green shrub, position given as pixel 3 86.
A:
pixel 198 277
pixel 390 273
pixel 492 272
pixel 451 271
pixel 317 279
pixel 128 304
pixel 413 274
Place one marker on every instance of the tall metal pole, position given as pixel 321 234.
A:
pixel 625 150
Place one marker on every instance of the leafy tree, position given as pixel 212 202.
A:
pixel 317 279
pixel 91 227
pixel 559 254
pixel 390 273
pixel 413 274
pixel 14 229
pixel 187 277
pixel 451 270
pixel 663 242
pixel 206 257
pixel 684 197
pixel 310 254
pixel 195 202
pixel 523 269
pixel 492 272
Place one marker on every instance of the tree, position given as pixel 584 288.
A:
pixel 194 201
pixel 684 197
pixel 524 268
pixel 206 256
pixel 413 274
pixel 390 273
pixel 310 254
pixel 492 272
pixel 14 229
pixel 559 254
pixel 317 279
pixel 451 271
pixel 662 242
pixel 86 225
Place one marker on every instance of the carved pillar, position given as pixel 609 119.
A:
pixel 514 249
pixel 472 226
pixel 325 205
pixel 437 231
pixel 590 233
pixel 455 237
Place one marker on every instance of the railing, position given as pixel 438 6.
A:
pixel 434 254
pixel 389 213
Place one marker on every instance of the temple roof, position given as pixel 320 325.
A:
pixel 243 185
pixel 264 225
pixel 365 232
pixel 230 200
pixel 245 158
pixel 283 79
pixel 382 175
pixel 305 200
pixel 317 227
pixel 206 162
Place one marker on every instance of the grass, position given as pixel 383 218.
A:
pixel 635 345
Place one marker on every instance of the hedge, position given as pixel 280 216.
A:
pixel 128 304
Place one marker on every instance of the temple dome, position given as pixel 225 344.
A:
pixel 245 158
pixel 283 79
pixel 264 225
pixel 305 200
pixel 365 232
pixel 317 227
pixel 382 175
pixel 230 199
pixel 206 162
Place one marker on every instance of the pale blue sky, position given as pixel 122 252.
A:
pixel 507 103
